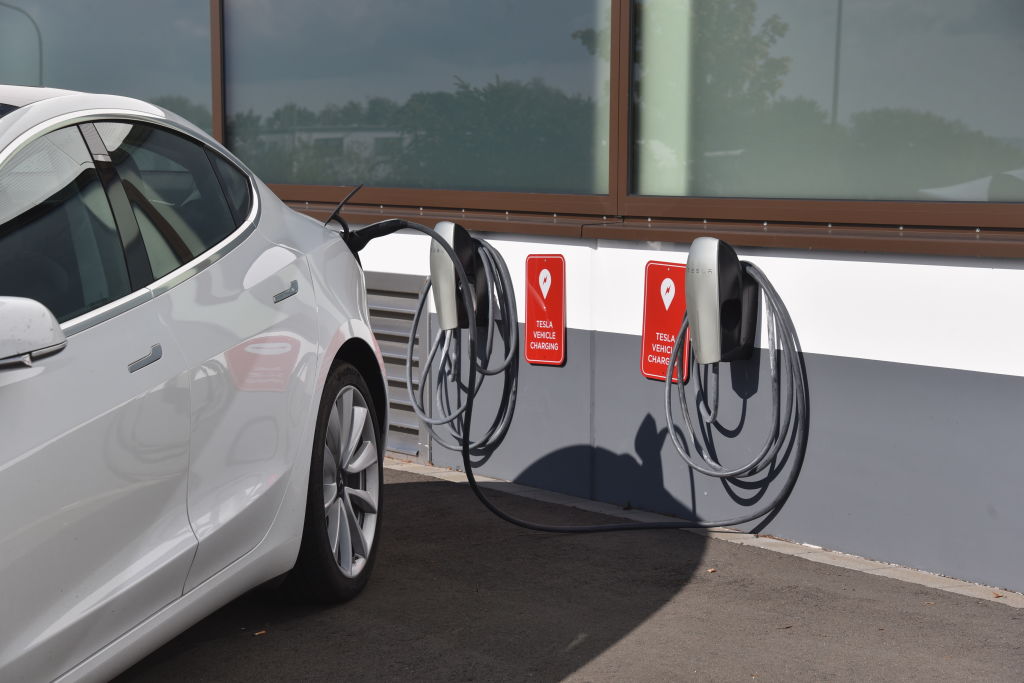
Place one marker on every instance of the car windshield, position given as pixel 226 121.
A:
pixel 6 109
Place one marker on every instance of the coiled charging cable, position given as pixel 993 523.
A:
pixel 502 323
pixel 788 382
pixel 787 372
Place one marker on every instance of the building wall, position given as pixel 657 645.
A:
pixel 883 130
pixel 915 392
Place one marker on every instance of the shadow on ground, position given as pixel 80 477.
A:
pixel 457 594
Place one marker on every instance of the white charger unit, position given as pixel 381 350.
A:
pixel 721 302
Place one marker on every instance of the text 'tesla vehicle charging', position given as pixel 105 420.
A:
pixel 478 338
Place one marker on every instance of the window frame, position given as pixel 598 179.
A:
pixel 174 241
pixel 948 228
pixel 529 202
pixel 123 216
pixel 207 257
pixel 848 212
pixel 32 136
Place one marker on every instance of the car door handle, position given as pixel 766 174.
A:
pixel 291 291
pixel 155 354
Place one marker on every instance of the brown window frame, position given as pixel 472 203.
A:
pixel 938 228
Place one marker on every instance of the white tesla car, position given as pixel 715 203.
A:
pixel 191 400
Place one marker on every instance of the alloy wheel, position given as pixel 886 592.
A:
pixel 351 480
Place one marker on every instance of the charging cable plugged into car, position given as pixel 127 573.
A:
pixel 478 338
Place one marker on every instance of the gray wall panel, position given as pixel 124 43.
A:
pixel 907 464
pixel 630 423
pixel 548 444
pixel 915 465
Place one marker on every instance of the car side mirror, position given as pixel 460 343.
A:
pixel 28 331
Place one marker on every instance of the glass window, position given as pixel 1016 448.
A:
pixel 829 99
pixel 175 196
pixel 58 241
pixel 236 187
pixel 507 95
pixel 156 51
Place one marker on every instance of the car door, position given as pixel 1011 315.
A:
pixel 94 532
pixel 245 322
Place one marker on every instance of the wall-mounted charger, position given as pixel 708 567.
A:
pixel 451 312
pixel 721 302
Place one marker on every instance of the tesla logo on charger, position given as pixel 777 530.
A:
pixel 664 308
pixel 545 309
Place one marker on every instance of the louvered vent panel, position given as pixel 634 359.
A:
pixel 392 302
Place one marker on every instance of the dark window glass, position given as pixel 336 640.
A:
pixel 58 241
pixel 236 187
pixel 156 51
pixel 173 191
pixel 829 99
pixel 507 95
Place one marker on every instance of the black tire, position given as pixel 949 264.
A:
pixel 317 575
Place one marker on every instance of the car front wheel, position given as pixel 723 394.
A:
pixel 343 505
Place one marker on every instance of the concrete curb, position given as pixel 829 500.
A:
pixel 807 552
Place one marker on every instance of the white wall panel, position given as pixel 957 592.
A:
pixel 940 312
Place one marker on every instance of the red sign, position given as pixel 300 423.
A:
pixel 545 309
pixel 664 307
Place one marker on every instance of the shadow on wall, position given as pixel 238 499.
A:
pixel 638 478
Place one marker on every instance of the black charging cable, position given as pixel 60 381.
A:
pixel 794 433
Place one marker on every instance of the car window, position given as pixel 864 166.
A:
pixel 173 190
pixel 236 187
pixel 58 241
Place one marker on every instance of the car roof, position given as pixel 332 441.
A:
pixel 24 109
pixel 15 96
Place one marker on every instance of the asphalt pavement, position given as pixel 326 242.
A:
pixel 459 595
